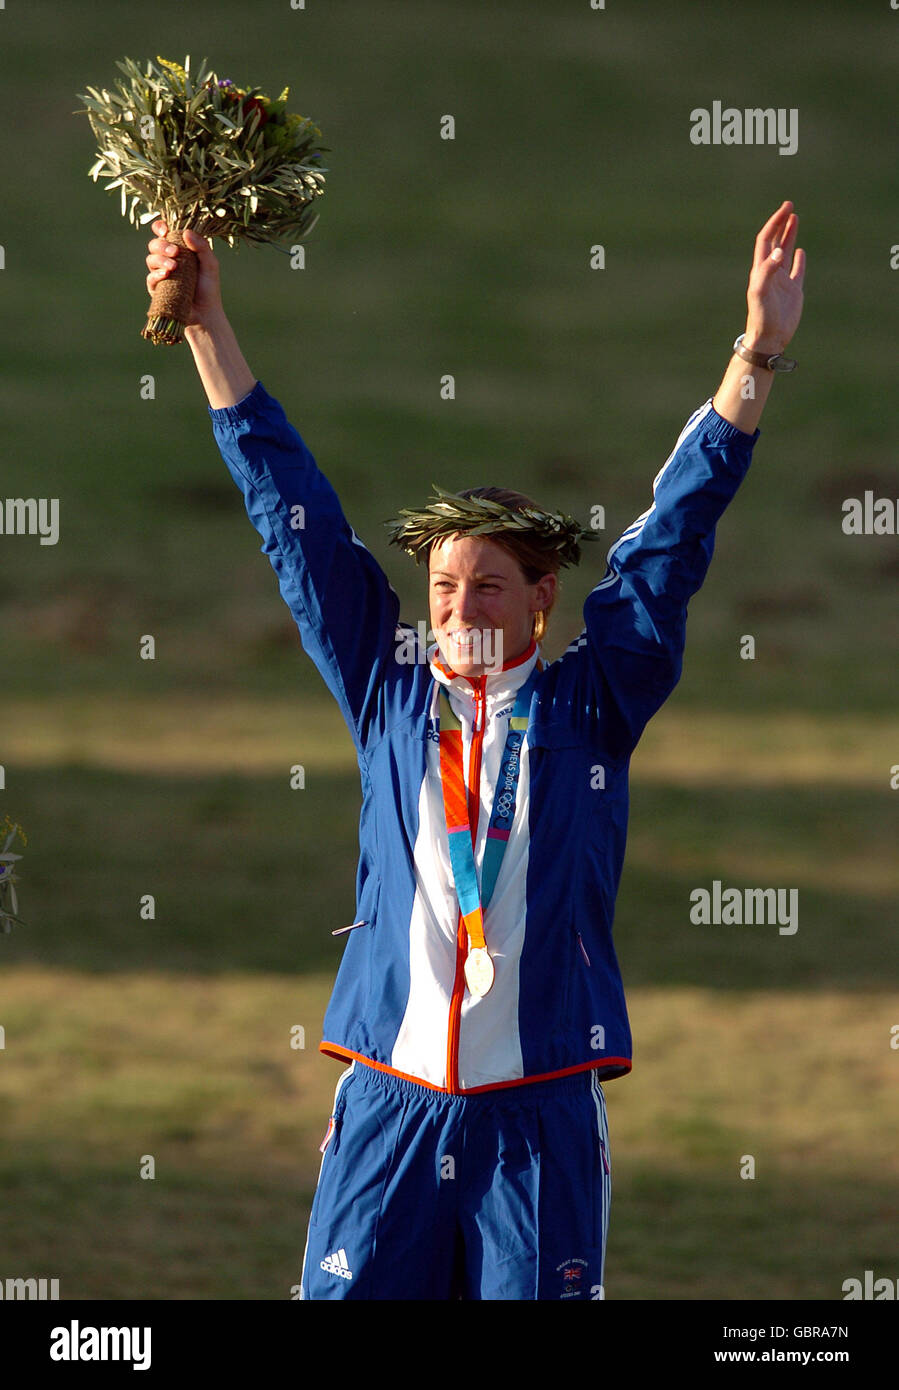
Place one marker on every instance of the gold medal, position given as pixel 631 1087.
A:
pixel 479 971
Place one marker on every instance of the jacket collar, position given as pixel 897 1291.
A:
pixel 496 685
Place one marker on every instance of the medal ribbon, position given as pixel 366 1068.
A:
pixel 472 899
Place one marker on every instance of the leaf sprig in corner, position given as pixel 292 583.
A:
pixel 8 878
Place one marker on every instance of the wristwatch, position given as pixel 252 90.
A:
pixel 774 362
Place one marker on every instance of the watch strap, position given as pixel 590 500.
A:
pixel 774 362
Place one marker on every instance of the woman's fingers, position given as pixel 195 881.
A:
pixel 160 262
pixel 194 241
pixel 776 219
pixel 770 234
pixel 797 274
pixel 163 252
pixel 789 237
pixel 161 258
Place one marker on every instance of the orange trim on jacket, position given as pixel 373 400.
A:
pixel 622 1066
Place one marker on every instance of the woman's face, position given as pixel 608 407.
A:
pixel 482 608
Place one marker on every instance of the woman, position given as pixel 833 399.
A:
pixel 479 1002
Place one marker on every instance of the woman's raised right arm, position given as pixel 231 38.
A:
pixel 340 598
pixel 222 367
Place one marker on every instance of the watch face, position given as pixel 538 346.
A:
pixel 781 364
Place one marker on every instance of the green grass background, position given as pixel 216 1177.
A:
pixel 171 1037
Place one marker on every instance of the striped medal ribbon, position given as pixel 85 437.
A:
pixel 479 969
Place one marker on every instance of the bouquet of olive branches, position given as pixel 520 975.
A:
pixel 206 154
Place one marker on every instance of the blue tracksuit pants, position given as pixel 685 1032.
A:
pixel 500 1195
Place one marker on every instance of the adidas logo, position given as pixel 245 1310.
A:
pixel 337 1264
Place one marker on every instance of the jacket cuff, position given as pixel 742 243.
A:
pixel 234 414
pixel 721 431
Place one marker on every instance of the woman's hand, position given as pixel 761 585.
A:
pixel 207 304
pixel 774 296
pixel 222 367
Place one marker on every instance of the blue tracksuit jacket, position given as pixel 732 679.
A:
pixel 557 1006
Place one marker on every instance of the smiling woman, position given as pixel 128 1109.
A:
pixel 489 597
pixel 479 1004
pixel 484 604
pixel 479 616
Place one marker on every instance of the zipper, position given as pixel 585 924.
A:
pixel 474 806
pixel 339 931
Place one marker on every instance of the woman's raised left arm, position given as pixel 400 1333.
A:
pixel 774 301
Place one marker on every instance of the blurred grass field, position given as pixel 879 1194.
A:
pixel 171 1037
